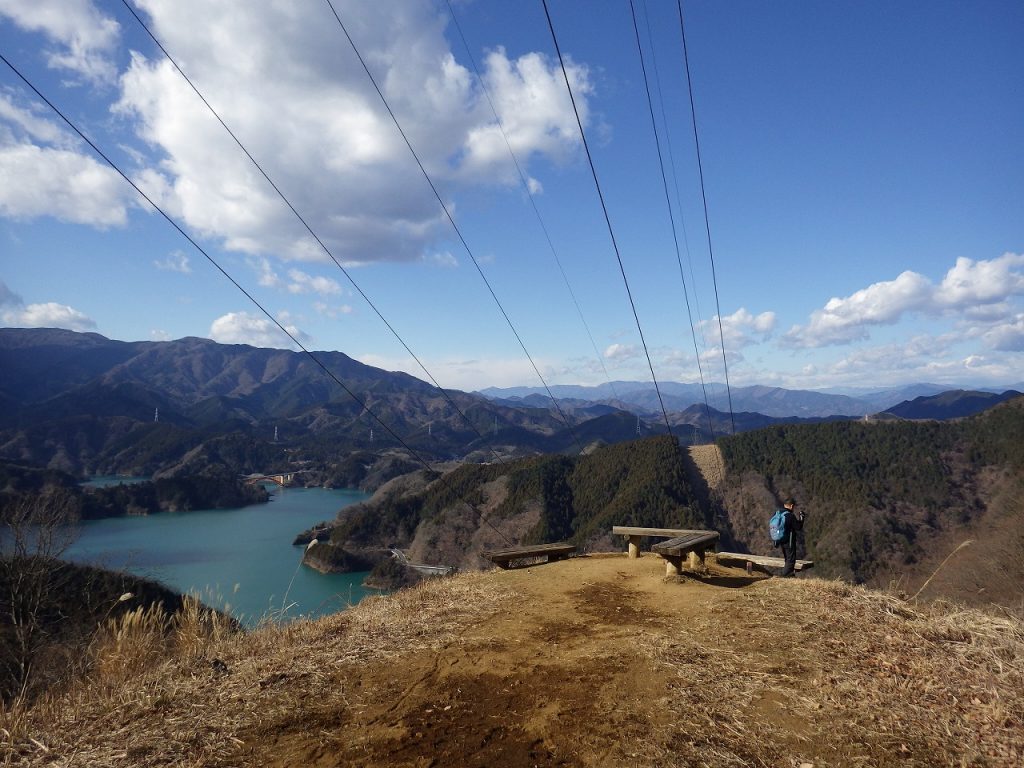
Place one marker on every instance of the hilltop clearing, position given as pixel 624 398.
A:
pixel 885 501
pixel 597 660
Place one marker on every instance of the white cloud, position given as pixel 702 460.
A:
pixel 243 328
pixel 159 335
pixel 535 110
pixel 48 315
pixel 303 283
pixel 16 314
pixel 38 128
pixel 83 35
pixel 333 312
pixel 971 283
pixel 1007 336
pixel 741 329
pixel 37 181
pixel 976 291
pixel 266 275
pixel 444 259
pixel 621 352
pixel 176 261
pixel 466 375
pixel 843 320
pixel 941 359
pixel 314 122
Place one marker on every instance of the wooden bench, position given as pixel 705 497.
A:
pixel 691 545
pixel 636 534
pixel 550 552
pixel 770 562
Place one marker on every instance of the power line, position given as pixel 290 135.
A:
pixel 234 282
pixel 451 220
pixel 707 221
pixel 529 194
pixel 607 218
pixel 309 228
pixel 675 176
pixel 209 258
pixel 671 216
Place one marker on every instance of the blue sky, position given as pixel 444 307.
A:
pixel 862 164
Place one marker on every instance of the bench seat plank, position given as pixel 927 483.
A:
pixel 635 534
pixel 555 551
pixel 772 562
pixel 682 545
pixel 692 545
pixel 628 530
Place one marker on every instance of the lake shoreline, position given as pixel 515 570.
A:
pixel 238 560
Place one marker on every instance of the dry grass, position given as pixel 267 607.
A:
pixel 190 696
pixel 783 673
pixel 855 677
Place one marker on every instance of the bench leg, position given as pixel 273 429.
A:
pixel 634 547
pixel 696 561
pixel 673 566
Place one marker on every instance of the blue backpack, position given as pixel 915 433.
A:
pixel 777 526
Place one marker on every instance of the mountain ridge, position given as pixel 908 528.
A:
pixel 79 401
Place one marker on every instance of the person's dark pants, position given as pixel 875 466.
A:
pixel 789 555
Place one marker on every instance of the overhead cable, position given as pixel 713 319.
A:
pixel 675 176
pixel 671 216
pixel 707 221
pixel 533 202
pixel 231 279
pixel 607 218
pixel 451 220
pixel 313 234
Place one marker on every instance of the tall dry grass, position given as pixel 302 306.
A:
pixel 850 676
pixel 181 690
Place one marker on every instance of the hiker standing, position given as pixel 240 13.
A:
pixel 794 523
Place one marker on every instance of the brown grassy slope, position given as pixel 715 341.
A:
pixel 592 661
pixel 990 569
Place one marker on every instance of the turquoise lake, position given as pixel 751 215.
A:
pixel 240 560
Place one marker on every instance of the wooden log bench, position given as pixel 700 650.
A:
pixel 550 553
pixel 634 535
pixel 762 560
pixel 692 545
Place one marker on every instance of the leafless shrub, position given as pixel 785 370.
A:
pixel 34 533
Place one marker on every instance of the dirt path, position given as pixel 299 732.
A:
pixel 594 661
pixel 560 677
pixel 603 661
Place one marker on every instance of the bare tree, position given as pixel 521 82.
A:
pixel 35 531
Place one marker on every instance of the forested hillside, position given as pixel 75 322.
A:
pixel 886 501
pixel 878 494
pixel 215 488
pixel 536 499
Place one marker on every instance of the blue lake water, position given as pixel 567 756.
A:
pixel 102 481
pixel 240 560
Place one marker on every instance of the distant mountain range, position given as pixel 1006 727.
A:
pixel 954 404
pixel 85 403
pixel 776 402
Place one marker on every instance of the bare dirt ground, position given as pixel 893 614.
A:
pixel 594 661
